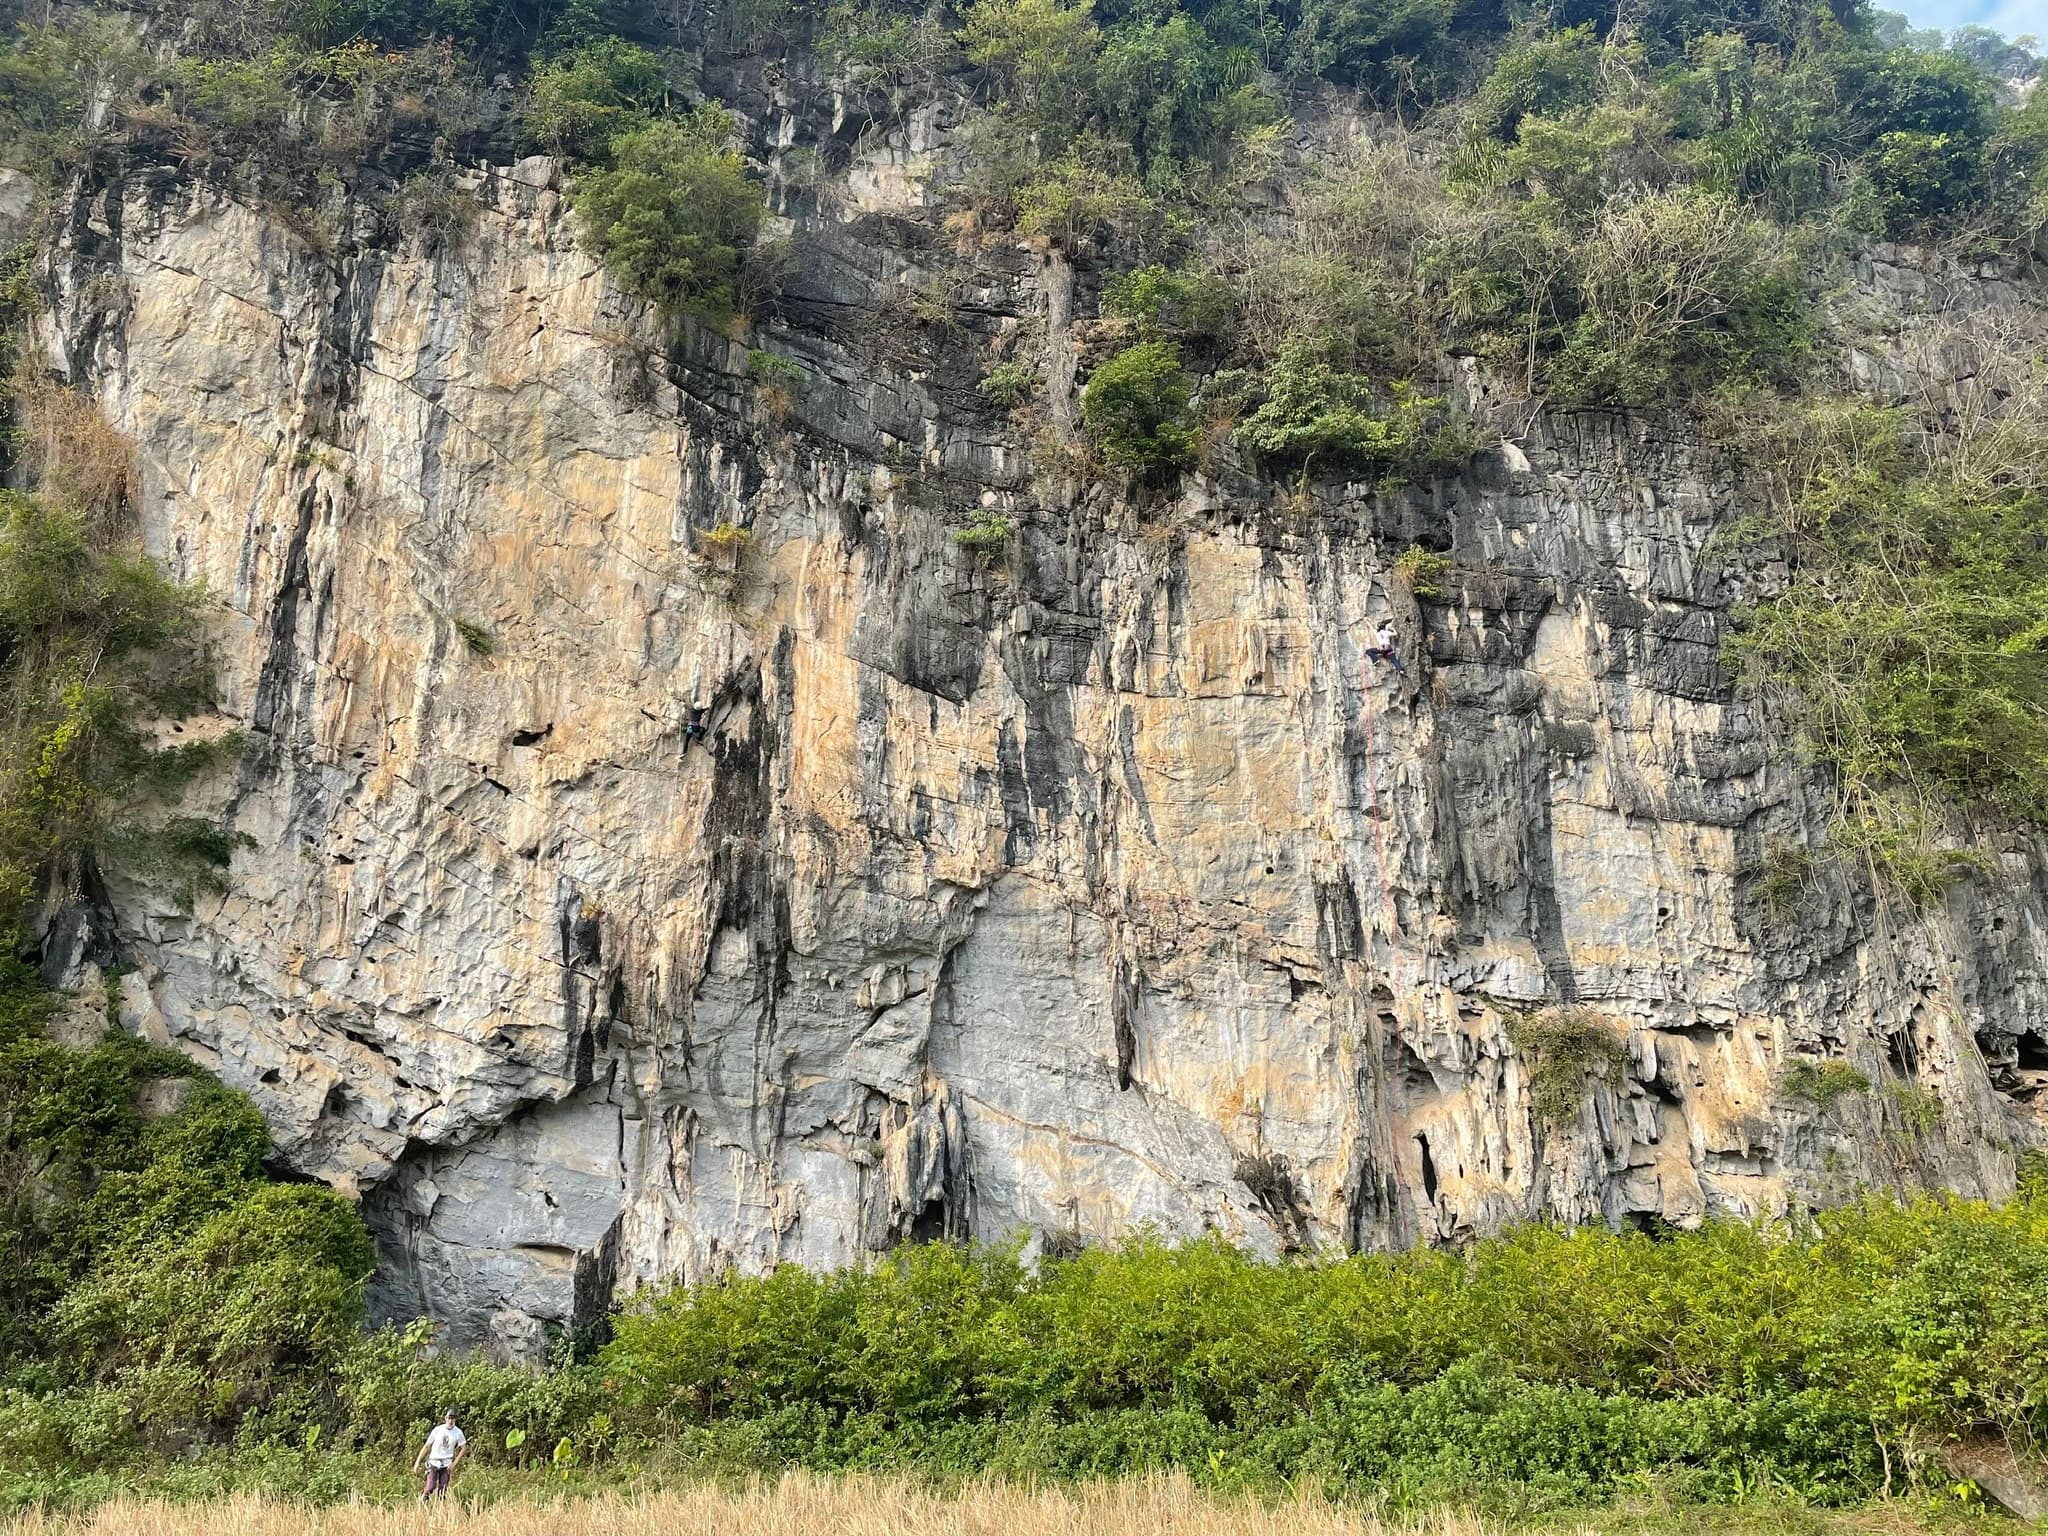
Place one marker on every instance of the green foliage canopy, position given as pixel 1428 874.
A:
pixel 1138 407
pixel 674 213
pixel 1566 1365
pixel 580 100
pixel 144 1256
pixel 1915 634
pixel 90 642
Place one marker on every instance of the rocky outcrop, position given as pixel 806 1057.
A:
pixel 628 903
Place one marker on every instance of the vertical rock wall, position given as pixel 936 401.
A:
pixel 626 903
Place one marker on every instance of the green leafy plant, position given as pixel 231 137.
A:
pixel 579 101
pixel 673 213
pixel 987 535
pixel 434 211
pixel 1010 383
pixel 90 643
pixel 885 38
pixel 1783 877
pixel 1561 1048
pixel 1074 200
pixel 1908 645
pixel 1423 571
pixel 1824 1084
pixel 475 638
pixel 1138 406
pixel 1918 1107
pixel 1193 304
pixel 770 369
pixel 1679 290
pixel 1318 416
pixel 147 1261
pixel 775 383
pixel 1542 1365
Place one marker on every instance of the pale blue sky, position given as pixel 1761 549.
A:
pixel 2012 17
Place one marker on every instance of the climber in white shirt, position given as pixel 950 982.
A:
pixel 1389 647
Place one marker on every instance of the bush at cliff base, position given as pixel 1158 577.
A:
pixel 157 1290
pixel 1831 1359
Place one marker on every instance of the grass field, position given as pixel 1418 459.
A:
pixel 805 1505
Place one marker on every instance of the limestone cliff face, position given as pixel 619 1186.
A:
pixel 1099 884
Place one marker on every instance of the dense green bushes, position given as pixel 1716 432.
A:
pixel 1138 407
pixel 674 213
pixel 1823 1358
pixel 1910 643
pixel 1312 414
pixel 90 642
pixel 154 1284
pixel 1160 91
pixel 1829 1360
pixel 393 1385
pixel 160 1294
pixel 580 100
pixel 661 193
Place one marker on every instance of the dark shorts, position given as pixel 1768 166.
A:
pixel 437 1482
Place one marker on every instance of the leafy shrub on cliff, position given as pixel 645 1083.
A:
pixel 674 213
pixel 50 78
pixel 889 38
pixel 1010 383
pixel 1081 197
pixel 1157 81
pixel 90 642
pixel 1910 646
pixel 986 535
pixel 578 102
pixel 1189 304
pixel 1139 408
pixel 1824 1084
pixel 292 125
pixel 1318 417
pixel 1560 1048
pixel 197 1328
pixel 1394 51
pixel 1679 292
pixel 1424 571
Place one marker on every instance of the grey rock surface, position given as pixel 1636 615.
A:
pixel 1102 884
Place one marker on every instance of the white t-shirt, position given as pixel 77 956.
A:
pixel 442 1444
pixel 1387 637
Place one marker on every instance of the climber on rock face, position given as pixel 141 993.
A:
pixel 695 725
pixel 1388 647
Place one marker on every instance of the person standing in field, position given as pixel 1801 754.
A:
pixel 446 1445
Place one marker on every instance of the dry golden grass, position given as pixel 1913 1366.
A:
pixel 70 448
pixel 796 1506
